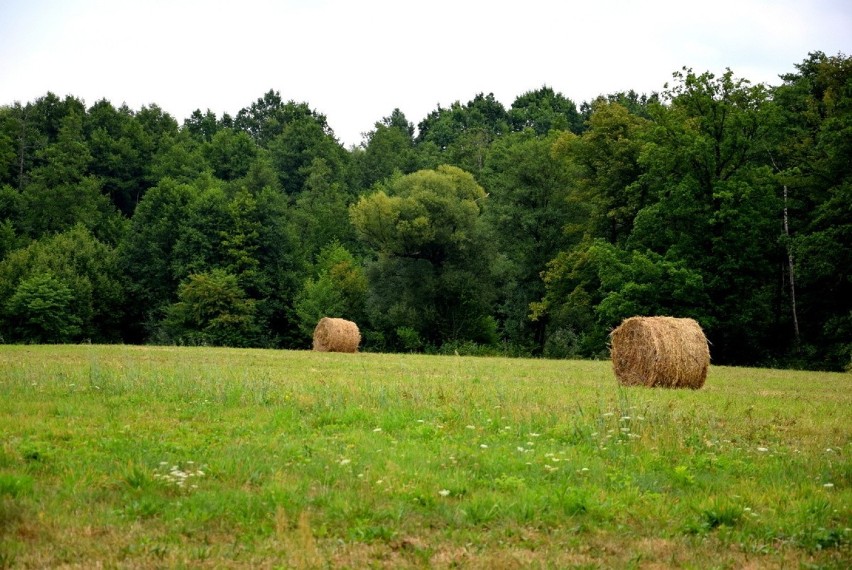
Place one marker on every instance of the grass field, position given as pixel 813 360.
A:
pixel 145 457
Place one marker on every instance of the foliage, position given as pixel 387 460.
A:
pixel 528 210
pixel 337 288
pixel 62 288
pixel 212 310
pixel 431 272
pixel 544 110
pixel 40 311
pixel 714 198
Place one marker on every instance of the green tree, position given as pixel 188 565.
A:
pixel 590 289
pixel 61 193
pixel 528 210
pixel 606 171
pixel 76 260
pixel 180 158
pixel 212 309
pixel 545 110
pixel 337 288
pixel 230 154
pixel 202 127
pixel 40 311
pixel 433 268
pixel 302 140
pixel 147 253
pixel 321 211
pixel 462 133
pixel 813 167
pixel 117 145
pixel 388 148
pixel 716 206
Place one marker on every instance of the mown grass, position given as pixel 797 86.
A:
pixel 182 457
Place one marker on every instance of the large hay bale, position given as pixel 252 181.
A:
pixel 336 335
pixel 660 351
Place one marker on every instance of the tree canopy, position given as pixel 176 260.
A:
pixel 532 229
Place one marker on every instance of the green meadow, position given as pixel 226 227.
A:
pixel 152 457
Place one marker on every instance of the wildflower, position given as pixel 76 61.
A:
pixel 584 469
pixel 828 485
pixel 521 449
pixel 470 427
pixel 345 461
pixel 483 446
pixel 377 429
pixel 444 492
pixel 534 434
pixel 763 449
pixel 625 418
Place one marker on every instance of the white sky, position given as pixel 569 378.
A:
pixel 356 60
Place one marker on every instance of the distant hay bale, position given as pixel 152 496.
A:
pixel 336 335
pixel 660 351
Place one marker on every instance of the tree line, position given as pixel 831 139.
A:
pixel 532 230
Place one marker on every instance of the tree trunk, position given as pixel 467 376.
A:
pixel 791 267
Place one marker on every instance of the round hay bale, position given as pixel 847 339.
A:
pixel 336 335
pixel 660 351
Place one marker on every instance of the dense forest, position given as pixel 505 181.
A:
pixel 532 230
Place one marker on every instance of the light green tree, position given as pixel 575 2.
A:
pixel 432 272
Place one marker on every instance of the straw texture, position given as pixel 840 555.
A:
pixel 336 335
pixel 660 351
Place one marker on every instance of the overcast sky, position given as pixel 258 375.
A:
pixel 357 60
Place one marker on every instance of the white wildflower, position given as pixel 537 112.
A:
pixel 444 492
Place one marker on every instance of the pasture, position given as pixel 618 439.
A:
pixel 143 457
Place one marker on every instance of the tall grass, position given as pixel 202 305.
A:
pixel 144 456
